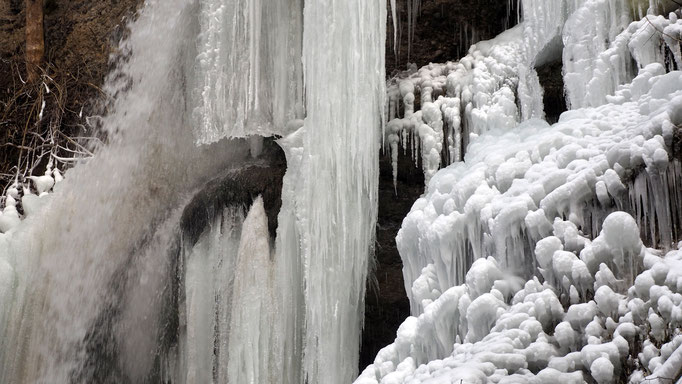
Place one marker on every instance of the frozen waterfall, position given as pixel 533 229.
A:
pixel 156 261
pixel 248 73
pixel 225 232
pixel 332 183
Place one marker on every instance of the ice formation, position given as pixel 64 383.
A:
pixel 496 84
pixel 330 191
pixel 458 101
pixel 249 74
pixel 29 195
pixel 502 199
pixel 229 281
pixel 596 66
pixel 103 281
pixel 495 330
pixel 525 262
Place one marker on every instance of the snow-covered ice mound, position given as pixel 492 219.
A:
pixel 526 262
pixel 505 196
pixel 458 100
pixel 503 332
pixel 28 196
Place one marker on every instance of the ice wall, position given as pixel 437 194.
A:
pixel 226 306
pixel 604 48
pixel 578 32
pixel 513 184
pixel 595 67
pixel 495 85
pixel 588 32
pixel 209 285
pixel 248 78
pixel 251 342
pixel 89 283
pixel 496 330
pixel 600 48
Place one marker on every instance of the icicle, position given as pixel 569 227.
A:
pixel 459 101
pixel 396 25
pixel 413 10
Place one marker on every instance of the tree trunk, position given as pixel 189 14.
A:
pixel 35 39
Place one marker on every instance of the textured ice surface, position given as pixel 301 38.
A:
pixel 251 354
pixel 227 310
pixel 458 102
pixel 521 263
pixel 329 201
pixel 493 330
pixel 209 271
pixel 496 84
pixel 601 56
pixel 514 183
pixel 248 77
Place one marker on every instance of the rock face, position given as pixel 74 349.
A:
pixel 240 186
pixel 386 304
pixel 444 30
pixel 552 82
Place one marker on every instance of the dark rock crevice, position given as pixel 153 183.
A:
pixel 386 303
pixel 444 30
pixel 552 82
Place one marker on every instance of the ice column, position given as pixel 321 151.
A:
pixel 330 190
pixel 227 312
pixel 208 280
pixel 251 332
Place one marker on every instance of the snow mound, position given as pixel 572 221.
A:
pixel 25 199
